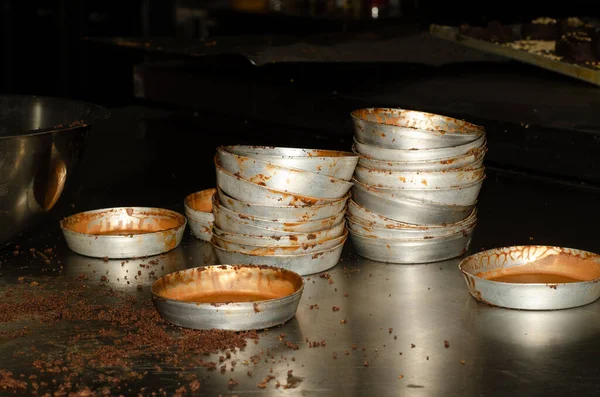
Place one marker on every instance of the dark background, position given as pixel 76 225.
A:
pixel 42 52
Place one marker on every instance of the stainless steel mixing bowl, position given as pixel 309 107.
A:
pixel 41 144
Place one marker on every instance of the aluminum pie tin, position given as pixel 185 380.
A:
pixel 229 297
pixel 365 216
pixel 236 222
pixel 367 229
pixel 327 162
pixel 283 178
pixel 283 213
pixel 457 177
pixel 198 210
pixel 408 210
pixel 270 240
pixel 464 195
pixel 277 249
pixel 410 129
pixel 303 264
pixel 474 158
pixel 254 193
pixel 419 154
pixel 543 295
pixel 124 232
pixel 412 251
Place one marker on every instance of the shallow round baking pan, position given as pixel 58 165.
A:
pixel 412 251
pixel 279 250
pixel 251 192
pixel 410 129
pixel 284 213
pixel 420 154
pixel 125 232
pixel 236 222
pixel 458 195
pixel 408 210
pixel 327 162
pixel 473 159
pixel 234 297
pixel 283 178
pixel 269 240
pixel 533 277
pixel 365 216
pixel 303 264
pixel 367 229
pixel 457 177
pixel 198 210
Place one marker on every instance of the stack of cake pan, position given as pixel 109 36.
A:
pixel 415 186
pixel 282 207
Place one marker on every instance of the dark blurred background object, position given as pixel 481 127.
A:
pixel 229 66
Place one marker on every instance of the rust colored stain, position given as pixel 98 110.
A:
pixel 228 284
pixel 201 201
pixel 123 221
pixel 416 120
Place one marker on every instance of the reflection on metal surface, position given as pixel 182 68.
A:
pixel 41 144
pixel 123 273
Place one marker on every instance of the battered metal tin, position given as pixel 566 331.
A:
pixel 124 232
pixel 303 264
pixel 171 295
pixel 198 210
pixel 251 192
pixel 473 159
pixel 410 129
pixel 236 222
pixel 283 178
pixel 419 179
pixel 534 296
pixel 412 251
pixel 408 210
pixel 295 249
pixel 284 213
pixel 270 240
pixel 333 163
pixel 420 154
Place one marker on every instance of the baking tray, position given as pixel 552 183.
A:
pixel 452 34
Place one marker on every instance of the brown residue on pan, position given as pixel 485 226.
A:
pixel 123 221
pixel 548 265
pixel 228 284
pixel 201 201
pixel 417 120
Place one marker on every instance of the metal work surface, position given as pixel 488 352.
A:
pixel 367 328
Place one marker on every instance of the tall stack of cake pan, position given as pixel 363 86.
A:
pixel 282 207
pixel 416 185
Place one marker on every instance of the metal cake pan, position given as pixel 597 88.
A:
pixel 251 192
pixel 410 129
pixel 284 213
pixel 283 178
pixel 408 210
pixel 428 180
pixel 420 154
pixel 271 240
pixel 124 232
pixel 533 260
pixel 303 264
pixel 412 251
pixel 295 249
pixel 236 222
pixel 233 297
pixel 327 162
pixel 198 210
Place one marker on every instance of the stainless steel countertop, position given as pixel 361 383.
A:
pixel 400 314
